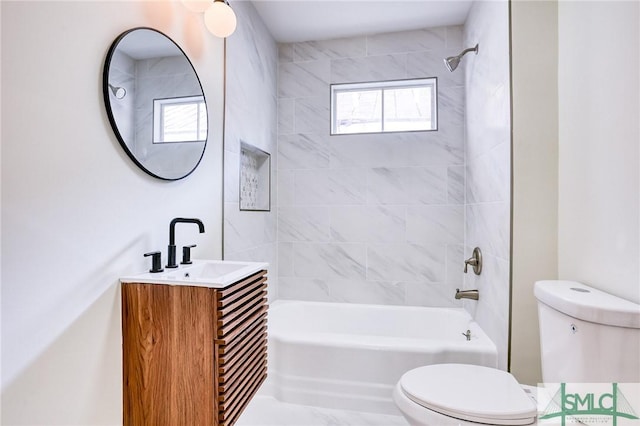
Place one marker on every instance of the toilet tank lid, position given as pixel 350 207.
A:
pixel 587 303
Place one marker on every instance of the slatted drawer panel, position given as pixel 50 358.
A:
pixel 241 345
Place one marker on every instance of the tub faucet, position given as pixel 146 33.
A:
pixel 467 335
pixel 467 294
pixel 171 255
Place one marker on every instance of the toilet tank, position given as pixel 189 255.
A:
pixel 587 335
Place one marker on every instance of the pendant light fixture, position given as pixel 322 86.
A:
pixel 220 19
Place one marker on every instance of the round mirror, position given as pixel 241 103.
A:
pixel 155 103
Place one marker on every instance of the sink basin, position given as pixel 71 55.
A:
pixel 201 273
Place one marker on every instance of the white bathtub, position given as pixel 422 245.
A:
pixel 350 356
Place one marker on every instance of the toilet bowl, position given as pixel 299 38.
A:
pixel 461 394
pixel 574 319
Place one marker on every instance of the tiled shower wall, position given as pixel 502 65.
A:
pixel 488 159
pixel 250 116
pixel 373 218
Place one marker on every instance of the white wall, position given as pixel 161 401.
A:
pixel 535 174
pixel 76 212
pixel 576 157
pixel 599 104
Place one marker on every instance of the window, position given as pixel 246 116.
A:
pixel 385 106
pixel 179 120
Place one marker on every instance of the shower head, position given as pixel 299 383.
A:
pixel 452 62
pixel 118 92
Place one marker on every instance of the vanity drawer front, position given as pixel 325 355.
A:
pixel 240 345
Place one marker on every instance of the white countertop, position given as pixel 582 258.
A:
pixel 201 273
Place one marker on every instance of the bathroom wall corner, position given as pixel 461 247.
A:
pixel 534 56
pixel 250 118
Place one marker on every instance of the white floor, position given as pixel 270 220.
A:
pixel 265 410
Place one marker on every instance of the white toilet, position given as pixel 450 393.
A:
pixel 575 320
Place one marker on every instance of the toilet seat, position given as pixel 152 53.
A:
pixel 469 392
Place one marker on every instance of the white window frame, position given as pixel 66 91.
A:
pixel 431 82
pixel 158 116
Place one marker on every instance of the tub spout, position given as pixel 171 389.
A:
pixel 467 294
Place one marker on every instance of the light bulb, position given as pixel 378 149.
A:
pixel 197 6
pixel 220 19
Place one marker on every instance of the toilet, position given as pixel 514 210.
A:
pixel 574 320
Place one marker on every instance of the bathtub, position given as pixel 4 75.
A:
pixel 350 356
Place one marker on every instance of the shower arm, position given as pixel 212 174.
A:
pixel 470 49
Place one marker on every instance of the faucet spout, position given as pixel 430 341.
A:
pixel 172 227
pixel 467 294
pixel 171 255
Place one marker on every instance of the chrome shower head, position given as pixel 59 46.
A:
pixel 118 92
pixel 452 62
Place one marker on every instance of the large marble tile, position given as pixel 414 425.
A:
pixel 442 224
pixel 330 260
pixel 312 114
pixel 431 64
pixel 243 230
pixel 268 411
pixel 363 223
pixel 299 288
pixel 455 36
pixel 370 68
pixel 303 223
pixel 330 186
pixel 488 227
pixel 407 185
pixel 405 262
pixel 330 49
pixel 285 259
pixel 388 150
pixel 286 187
pixel 303 79
pixel 432 294
pixel 373 292
pixel 231 177
pixel 348 223
pixel 456 185
pixel 454 274
pixel 303 151
pixel 429 185
pixel 286 116
pixel 348 151
pixel 386 224
pixel 451 109
pixel 442 147
pixel 406 41
pixel 489 176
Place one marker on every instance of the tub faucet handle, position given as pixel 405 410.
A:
pixel 467 335
pixel 475 261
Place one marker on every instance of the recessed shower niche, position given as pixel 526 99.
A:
pixel 255 178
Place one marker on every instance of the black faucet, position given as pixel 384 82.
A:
pixel 171 261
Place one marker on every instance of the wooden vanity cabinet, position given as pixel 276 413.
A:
pixel 192 355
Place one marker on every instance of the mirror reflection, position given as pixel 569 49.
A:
pixel 155 103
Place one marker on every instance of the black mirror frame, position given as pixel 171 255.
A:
pixel 107 102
